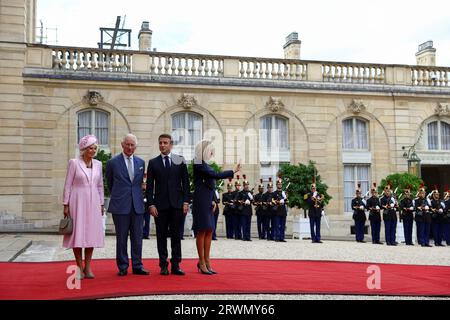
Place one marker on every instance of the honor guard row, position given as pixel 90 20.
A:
pixel 270 209
pixel 430 213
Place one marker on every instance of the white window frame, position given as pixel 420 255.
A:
pixel 439 148
pixel 356 181
pixel 92 125
pixel 186 150
pixel 354 119
pixel 273 152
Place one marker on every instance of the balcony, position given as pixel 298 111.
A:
pixel 102 64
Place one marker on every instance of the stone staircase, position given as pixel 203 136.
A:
pixel 11 223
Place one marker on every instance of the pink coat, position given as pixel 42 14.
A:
pixel 83 192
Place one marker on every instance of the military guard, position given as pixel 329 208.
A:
pixel 374 206
pixel 237 230
pixel 315 203
pixel 216 199
pixel 244 200
pixel 359 214
pixel 280 200
pixel 407 215
pixel 228 202
pixel 447 216
pixel 269 211
pixel 423 217
pixel 258 202
pixel 437 217
pixel 389 205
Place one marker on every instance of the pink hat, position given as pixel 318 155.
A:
pixel 87 141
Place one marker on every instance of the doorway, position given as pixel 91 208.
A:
pixel 438 175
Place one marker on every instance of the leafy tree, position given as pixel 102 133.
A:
pixel 104 157
pixel 299 177
pixel 401 181
pixel 215 167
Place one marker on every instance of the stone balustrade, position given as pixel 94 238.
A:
pixel 274 69
pixel 353 73
pixel 91 59
pixel 209 66
pixel 186 65
pixel 430 76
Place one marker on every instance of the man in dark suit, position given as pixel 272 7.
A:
pixel 124 176
pixel 168 201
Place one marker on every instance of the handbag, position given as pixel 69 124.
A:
pixel 66 225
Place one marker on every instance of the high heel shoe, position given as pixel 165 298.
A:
pixel 210 269
pixel 202 271
pixel 88 275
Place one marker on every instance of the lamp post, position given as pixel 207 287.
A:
pixel 413 163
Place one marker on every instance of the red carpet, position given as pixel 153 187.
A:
pixel 48 280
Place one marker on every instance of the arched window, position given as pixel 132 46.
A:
pixel 274 133
pixel 438 135
pixel 273 144
pixel 355 134
pixel 186 132
pixel 95 122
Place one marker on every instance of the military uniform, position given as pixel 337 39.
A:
pixel 389 205
pixel 280 215
pixel 267 214
pixel 216 199
pixel 447 220
pixel 374 206
pixel 228 211
pixel 359 215
pixel 244 199
pixel 437 220
pixel 407 216
pixel 258 200
pixel 315 215
pixel 237 230
pixel 423 220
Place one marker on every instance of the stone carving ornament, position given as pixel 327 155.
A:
pixel 93 98
pixel 357 106
pixel 275 104
pixel 187 101
pixel 442 110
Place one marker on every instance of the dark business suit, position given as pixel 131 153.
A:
pixel 127 208
pixel 168 190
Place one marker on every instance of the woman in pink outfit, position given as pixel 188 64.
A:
pixel 83 201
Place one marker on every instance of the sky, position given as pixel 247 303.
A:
pixel 374 31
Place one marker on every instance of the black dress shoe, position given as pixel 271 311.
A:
pixel 146 237
pixel 378 242
pixel 141 272
pixel 177 271
pixel 164 271
pixel 122 273
pixel 319 241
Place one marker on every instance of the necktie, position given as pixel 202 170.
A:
pixel 167 163
pixel 130 169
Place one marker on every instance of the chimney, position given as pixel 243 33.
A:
pixel 145 37
pixel 292 46
pixel 426 56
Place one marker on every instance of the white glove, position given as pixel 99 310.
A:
pixel 377 207
pixel 427 207
pixel 323 212
pixel 217 194
pixel 361 207
pixel 250 196
pixel 392 205
pixel 247 202
pixel 440 210
pixel 282 201
pixel 315 194
pixel 283 194
pixel 411 208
